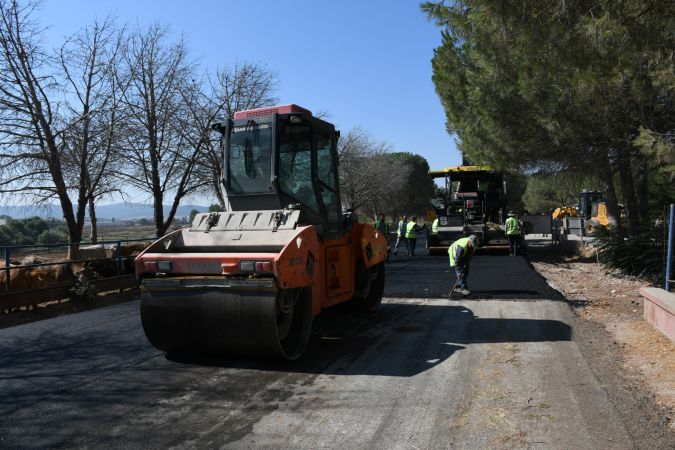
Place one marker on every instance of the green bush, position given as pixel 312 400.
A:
pixel 52 237
pixel 640 255
pixel 84 289
pixel 32 230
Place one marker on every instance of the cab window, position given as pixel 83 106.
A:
pixel 295 164
pixel 250 159
pixel 327 175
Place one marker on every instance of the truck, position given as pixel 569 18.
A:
pixel 249 280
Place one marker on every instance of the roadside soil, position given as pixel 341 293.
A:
pixel 20 316
pixel 627 354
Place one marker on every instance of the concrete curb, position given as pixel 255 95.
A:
pixel 659 310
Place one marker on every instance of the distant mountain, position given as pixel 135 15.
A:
pixel 137 211
pixel 24 211
pixel 117 211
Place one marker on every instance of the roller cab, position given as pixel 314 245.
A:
pixel 249 280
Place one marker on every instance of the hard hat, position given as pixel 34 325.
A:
pixel 511 213
pixel 473 240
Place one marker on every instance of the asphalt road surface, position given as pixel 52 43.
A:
pixel 499 369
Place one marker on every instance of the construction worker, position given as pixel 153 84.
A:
pixel 460 253
pixel 411 230
pixel 382 226
pixel 512 228
pixel 434 227
pixel 400 234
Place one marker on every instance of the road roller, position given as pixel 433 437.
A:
pixel 250 279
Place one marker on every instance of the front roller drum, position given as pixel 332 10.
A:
pixel 216 321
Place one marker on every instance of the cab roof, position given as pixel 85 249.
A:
pixel 458 173
pixel 269 110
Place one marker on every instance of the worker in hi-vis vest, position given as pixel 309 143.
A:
pixel 460 253
pixel 411 230
pixel 382 226
pixel 400 234
pixel 512 228
pixel 434 226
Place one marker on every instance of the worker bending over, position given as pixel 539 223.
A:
pixel 460 253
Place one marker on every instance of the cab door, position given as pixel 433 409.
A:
pixel 327 181
pixel 339 270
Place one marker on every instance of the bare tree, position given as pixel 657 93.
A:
pixel 361 177
pixel 234 88
pixel 160 157
pixel 30 162
pixel 394 179
pixel 44 139
pixel 88 61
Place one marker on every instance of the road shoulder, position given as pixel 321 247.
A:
pixel 48 310
pixel 634 362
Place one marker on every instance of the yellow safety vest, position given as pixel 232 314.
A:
pixel 464 243
pixel 382 227
pixel 434 227
pixel 410 232
pixel 512 226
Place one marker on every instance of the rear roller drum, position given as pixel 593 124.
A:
pixel 214 321
pixel 294 320
pixel 369 285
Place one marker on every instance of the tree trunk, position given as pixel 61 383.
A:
pixel 641 187
pixel 221 198
pixel 607 175
pixel 172 212
pixel 92 218
pixel 160 226
pixel 628 190
pixel 74 231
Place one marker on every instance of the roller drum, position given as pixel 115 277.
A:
pixel 217 321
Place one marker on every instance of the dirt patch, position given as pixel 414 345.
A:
pixel 612 331
pixel 57 308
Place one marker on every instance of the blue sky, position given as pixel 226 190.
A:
pixel 367 63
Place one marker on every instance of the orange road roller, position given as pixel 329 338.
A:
pixel 249 280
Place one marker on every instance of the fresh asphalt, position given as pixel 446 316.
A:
pixel 499 369
pixel 493 274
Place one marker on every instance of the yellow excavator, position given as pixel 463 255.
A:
pixel 564 211
pixel 591 208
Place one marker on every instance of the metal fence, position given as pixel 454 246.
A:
pixel 17 250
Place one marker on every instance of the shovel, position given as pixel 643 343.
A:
pixel 454 286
